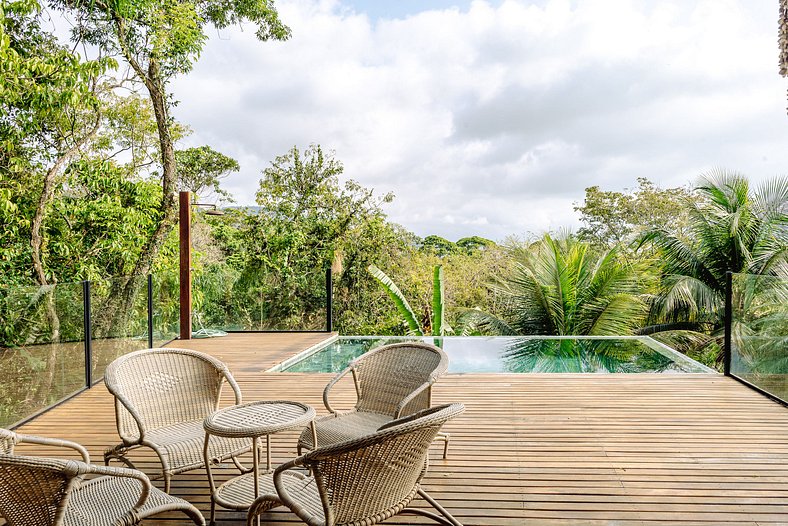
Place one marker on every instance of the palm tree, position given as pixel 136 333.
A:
pixel 731 229
pixel 560 288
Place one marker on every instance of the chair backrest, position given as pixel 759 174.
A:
pixel 164 387
pixel 388 374
pixel 34 491
pixel 376 475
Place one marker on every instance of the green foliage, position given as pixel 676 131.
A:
pixel 99 218
pixel 46 91
pixel 561 288
pixel 612 218
pixel 399 300
pixel 201 169
pixel 731 229
pixel 306 222
pixel 439 246
pixel 168 33
pixel 471 244
pixel 438 299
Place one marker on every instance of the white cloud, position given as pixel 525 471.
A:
pixel 492 120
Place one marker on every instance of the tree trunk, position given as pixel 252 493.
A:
pixel 116 315
pixel 36 243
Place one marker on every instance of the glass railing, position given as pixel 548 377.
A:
pixel 227 300
pixel 165 302
pixel 118 320
pixel 49 334
pixel 759 332
pixel 42 353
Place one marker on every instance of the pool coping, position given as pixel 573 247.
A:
pixel 651 343
pixel 309 351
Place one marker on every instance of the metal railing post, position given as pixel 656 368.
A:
pixel 728 321
pixel 329 300
pixel 150 311
pixel 88 334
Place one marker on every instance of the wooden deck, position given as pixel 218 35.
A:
pixel 557 450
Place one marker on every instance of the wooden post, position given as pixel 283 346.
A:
pixel 185 222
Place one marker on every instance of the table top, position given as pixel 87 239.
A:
pixel 254 419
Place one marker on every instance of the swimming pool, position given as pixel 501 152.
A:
pixel 506 354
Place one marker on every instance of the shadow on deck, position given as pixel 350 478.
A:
pixel 557 450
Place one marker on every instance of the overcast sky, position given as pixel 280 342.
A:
pixel 490 118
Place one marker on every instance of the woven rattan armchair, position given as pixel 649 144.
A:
pixel 363 481
pixel 37 491
pixel 162 397
pixel 391 381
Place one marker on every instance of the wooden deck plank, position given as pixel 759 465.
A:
pixel 559 450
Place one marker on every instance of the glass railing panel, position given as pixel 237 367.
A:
pixel 759 332
pixel 119 319
pixel 166 307
pixel 228 300
pixel 42 354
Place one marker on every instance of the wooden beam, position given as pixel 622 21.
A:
pixel 185 228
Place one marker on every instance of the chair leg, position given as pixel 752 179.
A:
pixel 118 455
pixel 424 513
pixel 445 437
pixel 447 518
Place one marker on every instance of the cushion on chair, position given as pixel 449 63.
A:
pixel 347 426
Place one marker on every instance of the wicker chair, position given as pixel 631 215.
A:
pixel 37 491
pixel 162 397
pixel 363 481
pixel 391 381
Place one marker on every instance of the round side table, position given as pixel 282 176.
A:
pixel 251 420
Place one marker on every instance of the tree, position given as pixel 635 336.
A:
pixel 306 221
pixel 560 288
pixel 48 114
pixel 474 243
pixel 612 218
pixel 160 40
pixel 200 170
pixel 439 246
pixel 731 229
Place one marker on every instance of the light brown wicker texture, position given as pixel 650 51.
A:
pixel 366 480
pixel 251 420
pixel 162 397
pixel 36 491
pixel 391 381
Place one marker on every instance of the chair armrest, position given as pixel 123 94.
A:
pixel 233 385
pixel 408 399
pixel 284 496
pixel 112 471
pixel 331 384
pixel 410 418
pixel 128 406
pixel 32 439
pixel 298 507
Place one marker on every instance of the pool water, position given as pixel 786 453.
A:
pixel 527 354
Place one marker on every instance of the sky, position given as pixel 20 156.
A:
pixel 491 118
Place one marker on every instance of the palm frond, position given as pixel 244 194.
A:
pixel 771 199
pixel 398 298
pixel 438 325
